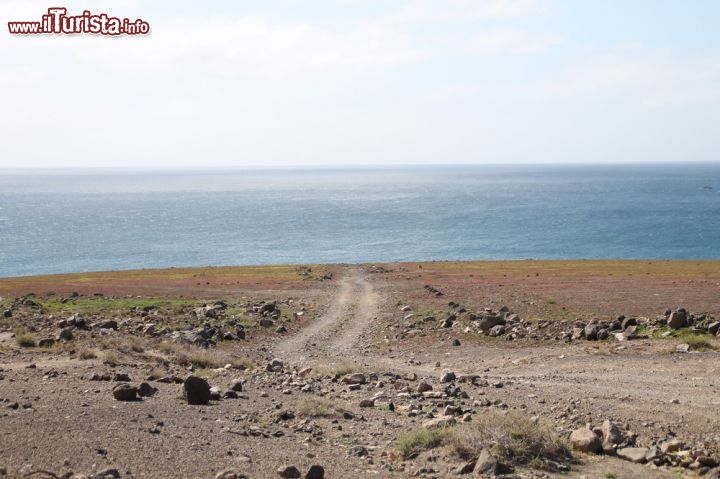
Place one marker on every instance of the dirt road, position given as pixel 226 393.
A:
pixel 339 335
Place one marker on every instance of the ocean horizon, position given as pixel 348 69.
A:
pixel 64 221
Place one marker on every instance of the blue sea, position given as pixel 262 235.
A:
pixel 89 220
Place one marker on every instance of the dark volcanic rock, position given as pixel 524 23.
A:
pixel 145 390
pixel 197 390
pixel 125 392
pixel 489 322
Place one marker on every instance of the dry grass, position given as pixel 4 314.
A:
pixel 87 354
pixel 168 348
pixel 124 345
pixel 571 268
pixel 242 363
pixel 209 359
pixel 155 373
pixel 26 340
pixel 318 407
pixel 203 360
pixel 339 370
pixel 510 436
pixel 111 358
pixel 699 343
pixel 113 279
pixel 135 344
pixel 419 440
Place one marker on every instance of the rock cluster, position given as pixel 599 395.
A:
pixel 609 438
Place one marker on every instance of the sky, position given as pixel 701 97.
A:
pixel 365 82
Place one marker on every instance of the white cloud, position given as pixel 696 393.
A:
pixel 512 41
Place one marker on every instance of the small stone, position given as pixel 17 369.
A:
pixel 440 421
pixel 315 472
pixel 355 378
pixel 236 386
pixel 121 377
pixel 108 324
pixel 465 468
pixel 358 451
pixel 215 393
pixel 230 474
pixel 145 390
pixel 673 445
pixel 423 387
pixel 110 473
pixel 288 472
pixel 275 365
pixel 446 376
pixel 65 334
pixel 46 342
pixel 367 403
pixel 170 379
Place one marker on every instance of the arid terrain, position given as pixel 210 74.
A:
pixel 580 369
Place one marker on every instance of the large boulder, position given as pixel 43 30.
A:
pixel 487 465
pixel 108 324
pixel 612 437
pixel 585 440
pixel 489 322
pixel 197 390
pixel 125 392
pixel 634 454
pixel 677 319
pixel 591 331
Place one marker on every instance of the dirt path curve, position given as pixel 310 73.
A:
pixel 338 335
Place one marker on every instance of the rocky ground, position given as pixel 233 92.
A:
pixel 510 369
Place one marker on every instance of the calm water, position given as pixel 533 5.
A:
pixel 53 222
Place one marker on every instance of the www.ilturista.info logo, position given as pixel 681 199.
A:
pixel 57 21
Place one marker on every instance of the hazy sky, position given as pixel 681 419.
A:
pixel 292 82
